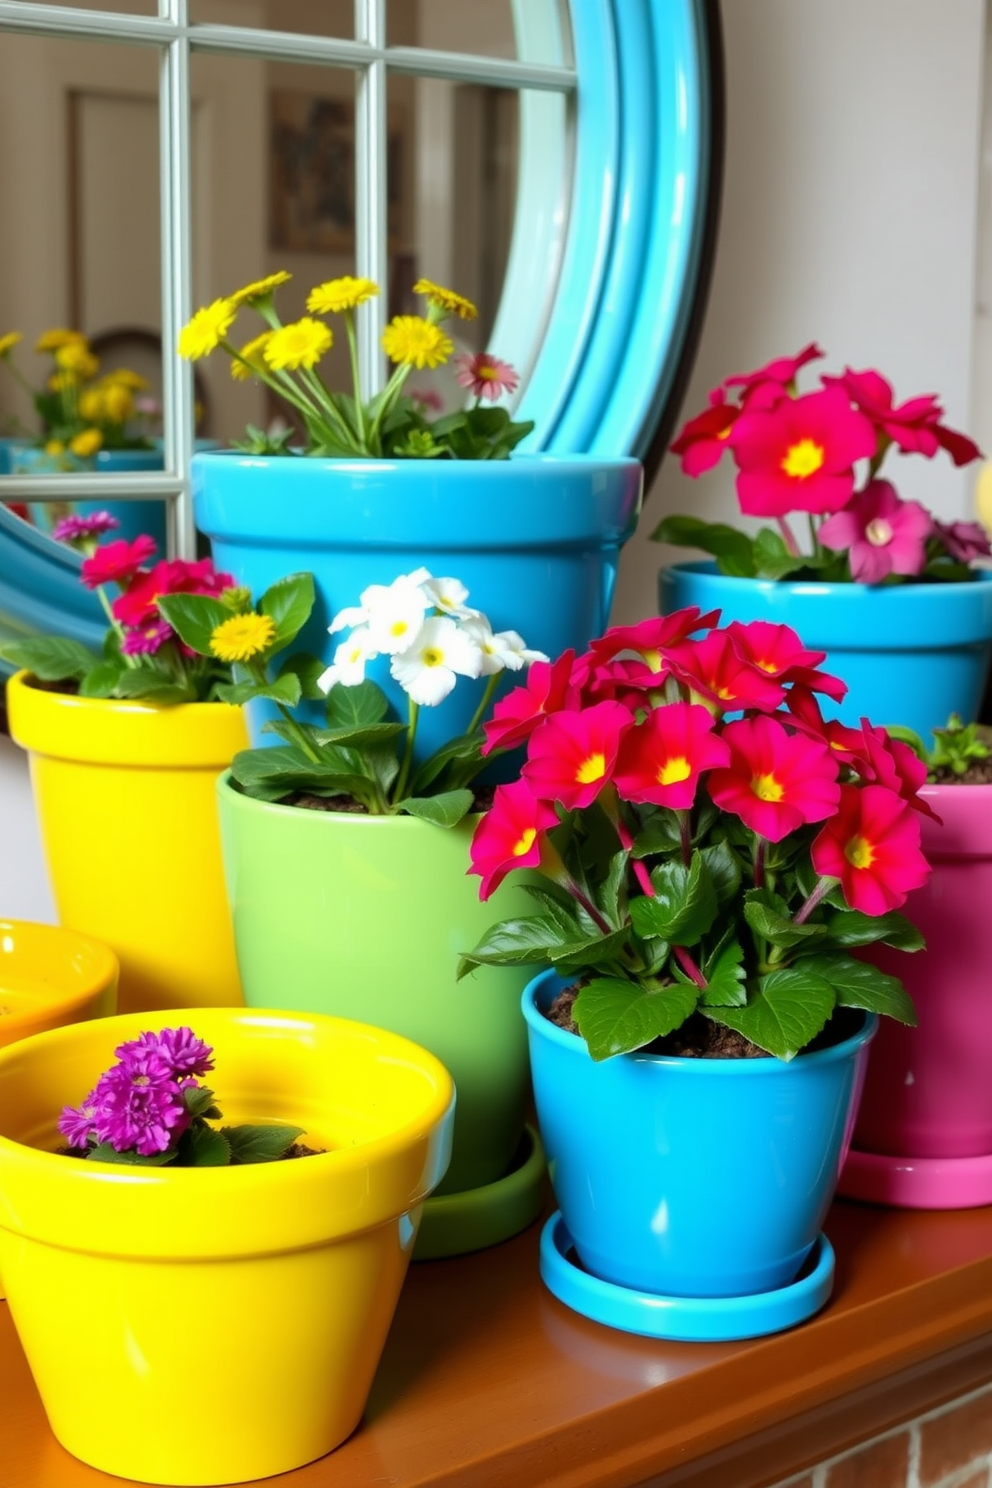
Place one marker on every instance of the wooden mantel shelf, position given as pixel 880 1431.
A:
pixel 488 1382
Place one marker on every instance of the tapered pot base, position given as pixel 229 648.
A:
pixel 917 1182
pixel 689 1319
pixel 457 1223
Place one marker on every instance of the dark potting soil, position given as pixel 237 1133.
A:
pixel 700 1038
pixel 482 801
pixel 979 772
pixel 298 1149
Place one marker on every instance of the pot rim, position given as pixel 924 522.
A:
pixel 734 1069
pixel 228 790
pixel 444 470
pixel 102 970
pixel 704 570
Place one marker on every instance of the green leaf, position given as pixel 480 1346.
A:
pixel 284 689
pixel 609 893
pixel 850 927
pixel 731 547
pixel 205 1147
pixel 104 1152
pixel 768 915
pixel 102 681
pixel 725 986
pixel 351 707
pixel 659 834
pixel 152 686
pixel 271 773
pixel 615 1016
pixel 257 1144
pixel 584 951
pixel 362 736
pixel 194 617
pixel 685 903
pixel 445 810
pixel 724 870
pixel 788 1010
pixel 199 1100
pixel 464 748
pixel 50 658
pixel 307 669
pixel 514 943
pixel 288 604
pixel 858 984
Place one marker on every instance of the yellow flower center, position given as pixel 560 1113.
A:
pixel 594 768
pixel 399 627
pixel 525 843
pixel 432 657
pixel 858 852
pixel 766 666
pixel 242 637
pixel 803 459
pixel 767 788
pixel 674 770
pixel 879 532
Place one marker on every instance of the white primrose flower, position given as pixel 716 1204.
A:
pixel 393 611
pixel 427 670
pixel 449 596
pixel 350 658
pixel 505 648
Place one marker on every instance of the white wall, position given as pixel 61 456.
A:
pixel 851 216
pixel 24 892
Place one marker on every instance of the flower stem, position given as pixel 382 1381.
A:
pixel 115 625
pixel 299 735
pixel 805 910
pixel 758 861
pixel 349 323
pixel 689 966
pixel 399 790
pixel 788 537
pixel 582 898
pixel 477 716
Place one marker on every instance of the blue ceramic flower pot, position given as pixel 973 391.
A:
pixel 134 516
pixel 536 540
pixel 911 654
pixel 691 1177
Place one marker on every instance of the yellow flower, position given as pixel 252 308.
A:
pixel 446 299
pixel 9 341
pixel 53 340
pixel 259 289
pixel 252 353
pixel 76 357
pixel 55 447
pixel 242 637
pixel 301 344
pixel 121 376
pixel 61 382
pixel 408 338
pixel 340 294
pixel 91 406
pixel 86 443
pixel 206 330
pixel 118 403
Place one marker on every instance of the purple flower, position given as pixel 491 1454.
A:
pixel 883 534
pixel 145 640
pixel 76 1122
pixel 178 1048
pixel 79 529
pixel 963 540
pixel 139 1106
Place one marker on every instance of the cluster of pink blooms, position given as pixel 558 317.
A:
pixel 137 1105
pixel 798 453
pixel 123 563
pixel 642 720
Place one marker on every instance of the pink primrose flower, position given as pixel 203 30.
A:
pixel 485 376
pixel 890 762
pixel 778 651
pixel 882 534
pixel 427 399
pixel 703 439
pixel 571 757
pixel 546 688
pixel 661 760
pixel 117 562
pixel 79 529
pixel 510 835
pixel 649 638
pixel 138 604
pixel 963 540
pixel 846 743
pixel 776 781
pixel 781 372
pixel 714 670
pixel 799 455
pixel 146 639
pixel 914 426
pixel 872 845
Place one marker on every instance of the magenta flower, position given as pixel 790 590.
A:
pixel 79 529
pixel 117 562
pixel 178 1048
pixel 846 743
pixel 799 455
pixel 572 755
pixel 777 651
pixel 486 376
pixel 890 762
pixel 714 670
pixel 782 372
pixel 872 845
pixel 76 1122
pixel 546 689
pixel 145 640
pixel 703 439
pixel 139 1105
pixel 510 835
pixel 776 781
pixel 649 638
pixel 883 535
pixel 914 426
pixel 963 540
pixel 662 758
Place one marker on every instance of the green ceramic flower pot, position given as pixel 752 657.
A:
pixel 364 917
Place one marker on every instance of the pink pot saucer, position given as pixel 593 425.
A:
pixel 917 1182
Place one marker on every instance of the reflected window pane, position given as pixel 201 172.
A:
pixel 306 17
pixel 483 27
pixel 118 7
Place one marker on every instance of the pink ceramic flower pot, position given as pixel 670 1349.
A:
pixel 923 1138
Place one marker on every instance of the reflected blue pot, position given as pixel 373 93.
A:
pixel 691 1177
pixel 134 517
pixel 911 654
pixel 8 444
pixel 535 539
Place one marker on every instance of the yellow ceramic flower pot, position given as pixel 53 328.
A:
pixel 217 1325
pixel 50 977
pixel 125 798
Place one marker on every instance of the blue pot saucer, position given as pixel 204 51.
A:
pixel 689 1319
pixel 458 1223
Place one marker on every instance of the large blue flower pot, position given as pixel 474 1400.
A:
pixel 134 516
pixel 535 539
pixel 911 654
pixel 691 1177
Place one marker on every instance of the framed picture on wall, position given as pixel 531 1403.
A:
pixel 312 173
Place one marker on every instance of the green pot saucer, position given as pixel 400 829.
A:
pixel 457 1223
